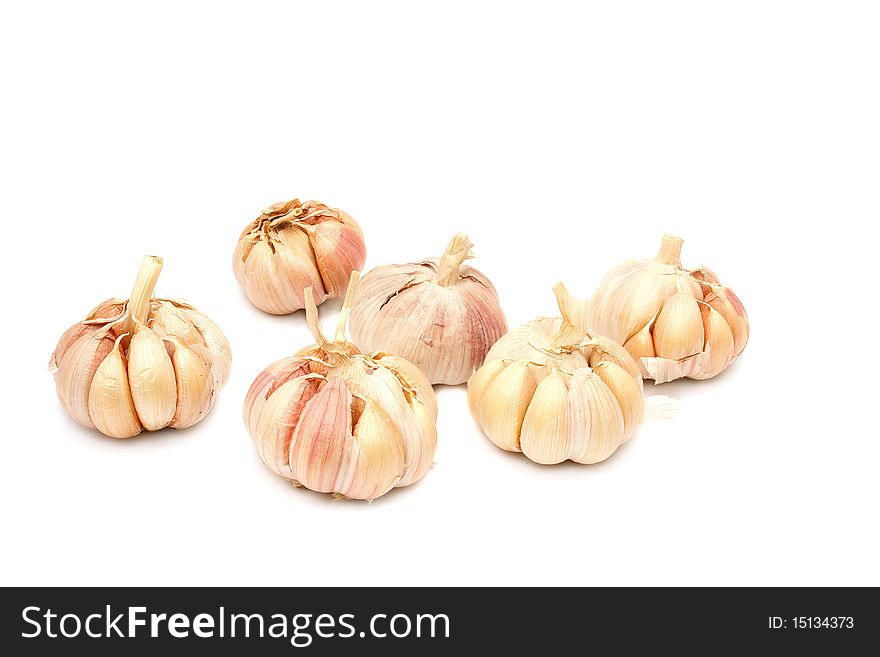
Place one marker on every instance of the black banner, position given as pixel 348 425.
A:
pixel 435 621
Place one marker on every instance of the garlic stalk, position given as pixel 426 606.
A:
pixel 338 421
pixel 676 323
pixel 292 246
pixel 550 390
pixel 438 313
pixel 144 363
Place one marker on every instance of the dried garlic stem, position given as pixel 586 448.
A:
pixel 574 314
pixel 670 250
pixel 564 301
pixel 457 252
pixel 339 345
pixel 139 302
pixel 312 320
pixel 347 303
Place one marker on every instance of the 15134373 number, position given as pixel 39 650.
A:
pixel 811 623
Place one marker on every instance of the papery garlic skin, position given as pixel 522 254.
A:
pixel 338 421
pixel 676 323
pixel 292 246
pixel 140 364
pixel 438 313
pixel 554 393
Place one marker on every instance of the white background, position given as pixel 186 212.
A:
pixel 563 138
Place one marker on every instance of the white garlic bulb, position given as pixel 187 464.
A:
pixel 338 421
pixel 555 393
pixel 676 323
pixel 292 246
pixel 139 364
pixel 438 313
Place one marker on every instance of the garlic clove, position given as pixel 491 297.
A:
pixel 595 406
pixel 338 250
pixel 375 457
pixel 412 418
pixel 75 372
pixel 606 350
pixel 69 338
pixel 641 346
pixel 420 445
pixel 505 404
pixel 724 301
pixel 297 266
pixel 104 313
pixel 111 407
pixel 718 350
pixel 265 385
pixel 266 286
pixel 274 272
pixel 411 378
pixel 151 379
pixel 318 443
pixel 627 392
pixel 276 423
pixel 546 427
pixel 480 382
pixel 195 385
pixel 214 339
pixel 678 331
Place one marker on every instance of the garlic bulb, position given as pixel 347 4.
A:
pixel 338 421
pixel 139 364
pixel 555 393
pixel 438 313
pixel 676 323
pixel 292 246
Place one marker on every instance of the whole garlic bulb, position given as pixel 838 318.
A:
pixel 338 421
pixel 139 364
pixel 555 393
pixel 438 313
pixel 676 323
pixel 292 246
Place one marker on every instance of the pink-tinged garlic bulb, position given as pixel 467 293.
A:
pixel 292 246
pixel 440 314
pixel 555 393
pixel 335 420
pixel 676 323
pixel 144 363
